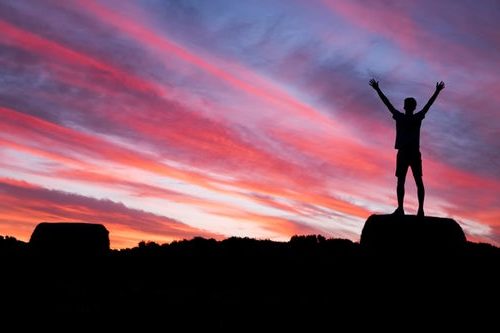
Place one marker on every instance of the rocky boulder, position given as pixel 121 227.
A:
pixel 70 238
pixel 409 233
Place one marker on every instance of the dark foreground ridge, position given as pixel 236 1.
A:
pixel 412 234
pixel 200 283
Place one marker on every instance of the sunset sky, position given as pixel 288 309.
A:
pixel 166 120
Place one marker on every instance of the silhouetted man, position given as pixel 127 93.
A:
pixel 408 143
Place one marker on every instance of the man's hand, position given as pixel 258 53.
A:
pixel 439 86
pixel 374 84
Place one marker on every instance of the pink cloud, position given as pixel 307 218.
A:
pixel 30 41
pixel 239 77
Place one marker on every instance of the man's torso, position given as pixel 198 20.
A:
pixel 408 130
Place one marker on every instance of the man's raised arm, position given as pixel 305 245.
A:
pixel 439 87
pixel 374 85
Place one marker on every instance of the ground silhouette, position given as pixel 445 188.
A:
pixel 241 283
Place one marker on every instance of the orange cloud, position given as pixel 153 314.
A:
pixel 30 204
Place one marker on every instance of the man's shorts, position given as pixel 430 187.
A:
pixel 409 158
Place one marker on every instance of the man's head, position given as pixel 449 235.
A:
pixel 410 105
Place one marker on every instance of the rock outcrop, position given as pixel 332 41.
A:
pixel 70 238
pixel 411 234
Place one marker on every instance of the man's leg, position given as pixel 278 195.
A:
pixel 421 194
pixel 416 168
pixel 402 165
pixel 400 190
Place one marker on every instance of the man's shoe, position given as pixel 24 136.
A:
pixel 399 211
